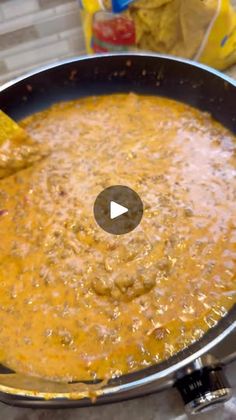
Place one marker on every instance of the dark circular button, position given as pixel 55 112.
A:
pixel 118 210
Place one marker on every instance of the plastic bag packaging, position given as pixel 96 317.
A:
pixel 202 30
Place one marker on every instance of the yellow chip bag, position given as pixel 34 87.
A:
pixel 202 30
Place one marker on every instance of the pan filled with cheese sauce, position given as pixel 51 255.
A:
pixel 88 317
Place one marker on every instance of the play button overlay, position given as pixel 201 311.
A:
pixel 118 210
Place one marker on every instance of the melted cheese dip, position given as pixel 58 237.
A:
pixel 77 303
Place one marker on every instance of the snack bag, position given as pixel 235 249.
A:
pixel 202 30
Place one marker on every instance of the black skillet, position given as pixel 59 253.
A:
pixel 198 378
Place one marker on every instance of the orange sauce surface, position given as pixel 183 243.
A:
pixel 79 303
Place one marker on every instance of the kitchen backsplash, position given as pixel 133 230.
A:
pixel 36 32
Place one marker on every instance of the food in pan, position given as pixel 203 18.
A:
pixel 17 149
pixel 77 303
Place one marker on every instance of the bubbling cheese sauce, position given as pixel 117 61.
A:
pixel 77 303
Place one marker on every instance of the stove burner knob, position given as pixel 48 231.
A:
pixel 202 389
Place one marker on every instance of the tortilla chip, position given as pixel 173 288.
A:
pixel 149 4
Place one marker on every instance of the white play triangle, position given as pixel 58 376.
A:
pixel 117 210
